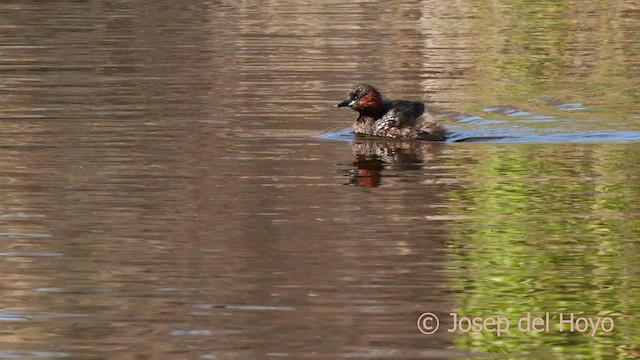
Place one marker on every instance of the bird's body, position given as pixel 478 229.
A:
pixel 396 119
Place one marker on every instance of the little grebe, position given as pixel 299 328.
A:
pixel 396 119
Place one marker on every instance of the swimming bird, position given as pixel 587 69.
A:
pixel 395 119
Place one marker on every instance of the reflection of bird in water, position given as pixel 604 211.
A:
pixel 398 119
pixel 367 172
pixel 375 155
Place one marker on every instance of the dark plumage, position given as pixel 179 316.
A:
pixel 397 119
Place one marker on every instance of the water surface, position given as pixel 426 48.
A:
pixel 177 183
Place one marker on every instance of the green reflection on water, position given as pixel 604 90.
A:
pixel 577 51
pixel 553 228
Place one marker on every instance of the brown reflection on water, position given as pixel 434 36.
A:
pixel 373 156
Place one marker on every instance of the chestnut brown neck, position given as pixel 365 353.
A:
pixel 370 105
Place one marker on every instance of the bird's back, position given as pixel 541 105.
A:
pixel 401 112
pixel 407 120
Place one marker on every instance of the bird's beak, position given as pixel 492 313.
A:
pixel 347 102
